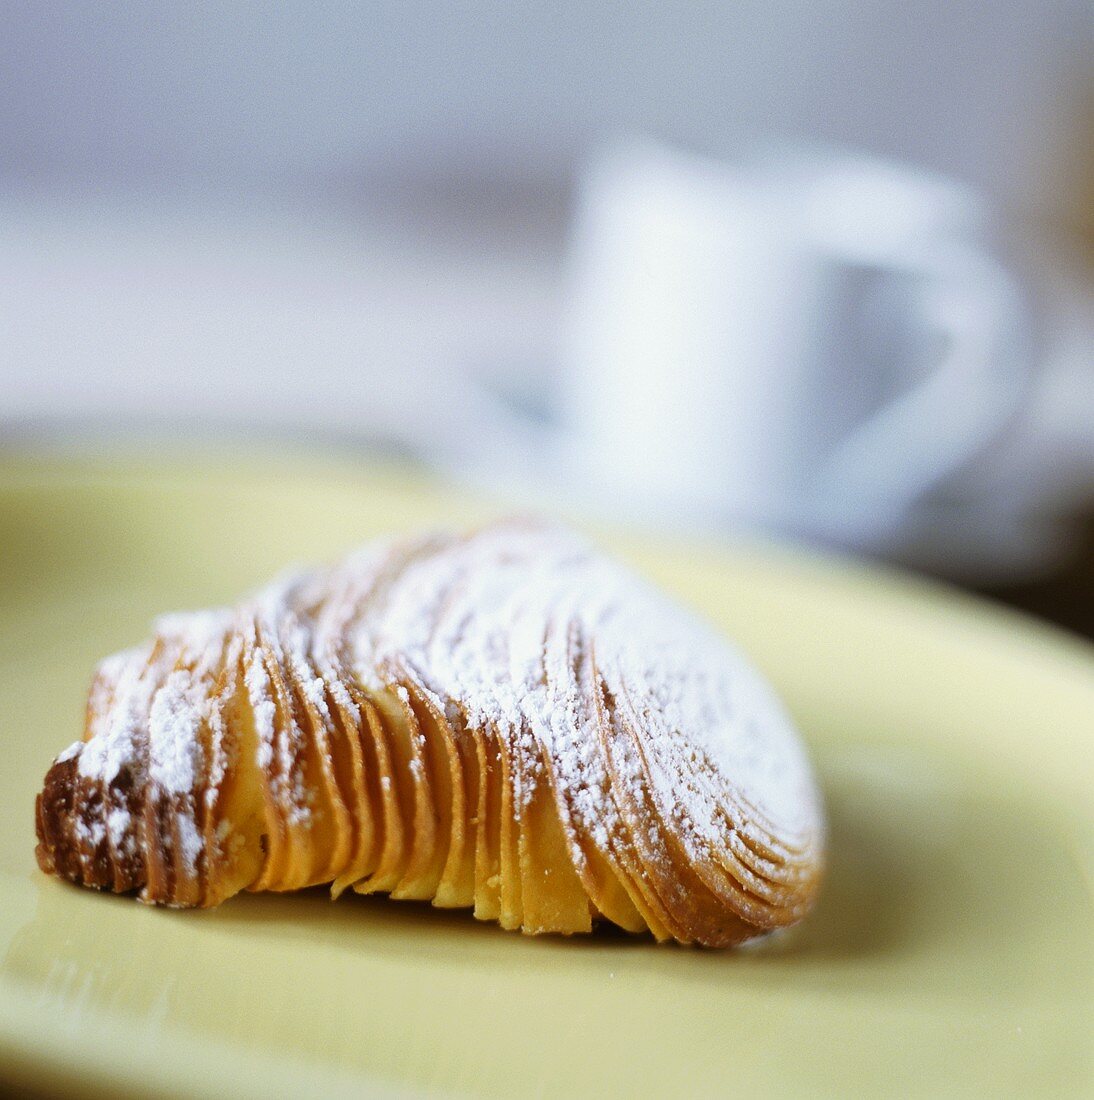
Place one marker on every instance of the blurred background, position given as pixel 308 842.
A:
pixel 819 271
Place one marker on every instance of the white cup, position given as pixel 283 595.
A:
pixel 811 343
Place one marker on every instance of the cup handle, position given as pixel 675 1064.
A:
pixel 925 434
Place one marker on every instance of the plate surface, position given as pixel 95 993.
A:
pixel 952 951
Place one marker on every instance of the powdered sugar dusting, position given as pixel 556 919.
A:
pixel 588 678
pixel 190 840
pixel 119 732
pixel 118 824
pixel 73 750
pixel 259 692
pixel 146 710
pixel 173 723
pixel 493 625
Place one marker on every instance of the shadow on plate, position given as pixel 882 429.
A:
pixel 934 867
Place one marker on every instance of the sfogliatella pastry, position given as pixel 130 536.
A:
pixel 504 721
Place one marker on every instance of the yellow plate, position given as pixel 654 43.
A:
pixel 952 951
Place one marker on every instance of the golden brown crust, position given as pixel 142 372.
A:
pixel 503 722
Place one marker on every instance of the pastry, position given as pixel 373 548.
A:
pixel 504 721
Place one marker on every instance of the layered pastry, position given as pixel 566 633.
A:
pixel 504 721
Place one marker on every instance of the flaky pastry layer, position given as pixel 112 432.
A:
pixel 504 721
